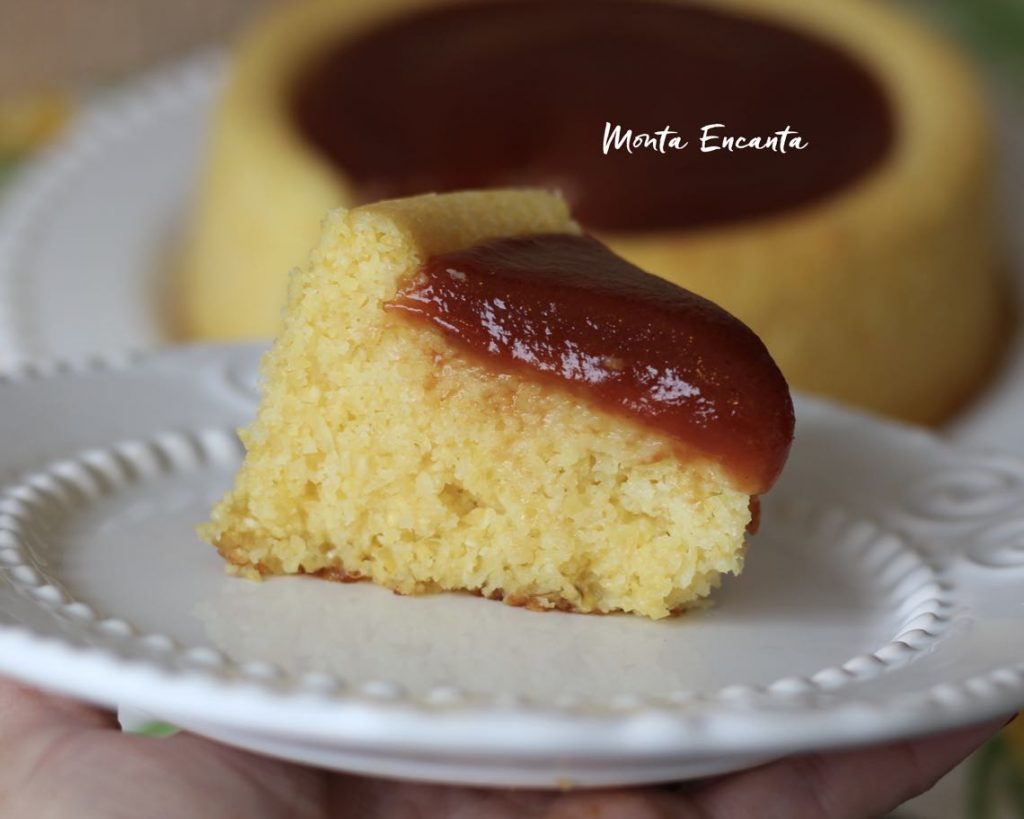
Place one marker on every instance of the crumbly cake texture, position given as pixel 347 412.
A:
pixel 381 452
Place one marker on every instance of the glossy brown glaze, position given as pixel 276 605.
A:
pixel 567 310
pixel 498 94
pixel 755 515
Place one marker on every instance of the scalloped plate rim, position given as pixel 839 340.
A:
pixel 403 725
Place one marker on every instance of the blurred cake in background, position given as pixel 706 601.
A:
pixel 868 261
pixel 470 395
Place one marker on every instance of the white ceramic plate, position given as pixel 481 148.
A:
pixel 881 599
pixel 87 232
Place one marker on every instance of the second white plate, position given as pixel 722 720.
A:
pixel 88 232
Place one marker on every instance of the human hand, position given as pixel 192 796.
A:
pixel 61 759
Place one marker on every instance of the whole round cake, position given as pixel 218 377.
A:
pixel 821 170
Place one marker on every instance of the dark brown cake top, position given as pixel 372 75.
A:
pixel 568 311
pixel 517 93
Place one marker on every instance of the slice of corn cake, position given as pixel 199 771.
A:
pixel 469 393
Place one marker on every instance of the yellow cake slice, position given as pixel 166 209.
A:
pixel 386 448
pixel 870 262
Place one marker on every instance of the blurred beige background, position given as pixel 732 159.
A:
pixel 48 43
